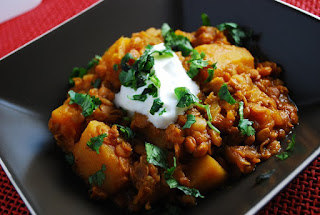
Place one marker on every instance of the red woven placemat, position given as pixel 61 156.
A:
pixel 301 196
pixel 312 6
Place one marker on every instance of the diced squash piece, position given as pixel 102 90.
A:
pixel 88 162
pixel 226 55
pixel 111 57
pixel 65 123
pixel 205 173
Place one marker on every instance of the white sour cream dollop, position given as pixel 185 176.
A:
pixel 171 74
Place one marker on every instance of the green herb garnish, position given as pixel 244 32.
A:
pixel 264 176
pixel 211 72
pixel 95 142
pixel 289 149
pixel 80 71
pixel 196 62
pixel 139 97
pixel 190 120
pixel 156 155
pixel 156 106
pixel 98 178
pixel 207 108
pixel 115 67
pixel 162 111
pixel 213 127
pixel 185 97
pixel 176 42
pixel 88 103
pixel 163 54
pixel 126 131
pixel 225 94
pixel 245 125
pixel 154 79
pixel 205 19
pixel 173 183
pixel 234 32
pixel 96 83
pixel 93 62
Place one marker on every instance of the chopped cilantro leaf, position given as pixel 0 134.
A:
pixel 98 178
pixel 88 103
pixel 205 19
pixel 135 76
pixel 264 176
pixel 77 72
pixel 288 152
pixel 225 94
pixel 211 72
pixel 163 54
pixel 128 133
pixel 173 183
pixel 124 62
pixel 246 128
pixel 96 83
pixel 213 127
pixel 157 104
pixel 151 90
pixel 80 71
pixel 95 142
pixel 245 125
pixel 292 143
pixel 162 111
pixel 115 67
pixel 93 62
pixel 190 120
pixel 196 62
pixel 185 97
pixel 139 97
pixel 176 42
pixel 154 79
pixel 127 78
pixel 207 108
pixel 283 155
pixel 70 158
pixel 156 155
pixel 234 32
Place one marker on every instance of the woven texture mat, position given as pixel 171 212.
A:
pixel 301 196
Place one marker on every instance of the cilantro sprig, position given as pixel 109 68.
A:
pixel 98 178
pixel 245 125
pixel 158 157
pixel 224 94
pixel 95 142
pixel 126 131
pixel 211 72
pixel 88 103
pixel 191 119
pixel 205 19
pixel 156 106
pixel 81 71
pixel 234 32
pixel 176 42
pixel 289 149
pixel 173 183
pixel 185 97
pixel 196 62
